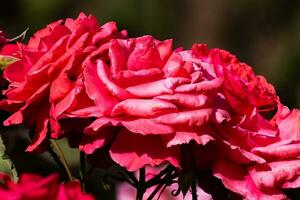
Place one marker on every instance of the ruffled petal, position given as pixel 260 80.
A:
pixel 278 151
pixel 140 151
pixel 90 143
pixel 275 174
pixel 236 179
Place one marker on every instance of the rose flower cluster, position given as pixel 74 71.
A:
pixel 142 102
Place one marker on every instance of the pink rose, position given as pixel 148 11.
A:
pixel 161 99
pixel 262 156
pixel 35 187
pixel 242 88
pixel 50 68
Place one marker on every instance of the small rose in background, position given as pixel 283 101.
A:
pixel 35 187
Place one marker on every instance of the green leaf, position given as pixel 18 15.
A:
pixel 6 60
pixel 185 181
pixel 6 165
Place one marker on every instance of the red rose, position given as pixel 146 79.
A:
pixel 242 88
pixel 50 67
pixel 269 152
pixel 161 98
pixel 34 187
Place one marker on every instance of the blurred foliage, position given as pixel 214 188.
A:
pixel 5 163
pixel 263 33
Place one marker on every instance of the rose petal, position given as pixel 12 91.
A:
pixel 142 107
pixel 185 100
pixel 279 151
pixel 277 175
pixel 100 123
pixel 140 151
pixel 156 88
pixel 119 51
pixel 40 134
pixel 236 179
pixel 203 86
pixel 127 78
pixel 96 90
pixel 190 118
pixel 144 55
pixel 103 74
pixel 90 143
pixel 147 126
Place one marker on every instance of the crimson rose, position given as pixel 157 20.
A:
pixel 35 187
pixel 50 67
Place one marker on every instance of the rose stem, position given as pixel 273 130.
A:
pixel 62 158
pixel 141 187
pixel 194 190
pixel 82 169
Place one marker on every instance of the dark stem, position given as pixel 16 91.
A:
pixel 155 191
pixel 61 158
pixel 82 169
pixel 164 179
pixel 141 187
pixel 130 176
pixel 161 192
pixel 194 190
pixel 157 179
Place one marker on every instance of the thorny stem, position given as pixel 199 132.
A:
pixel 62 158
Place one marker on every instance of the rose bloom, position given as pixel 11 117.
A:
pixel 260 157
pixel 151 100
pixel 243 89
pixel 35 187
pixel 50 67
pixel 148 100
